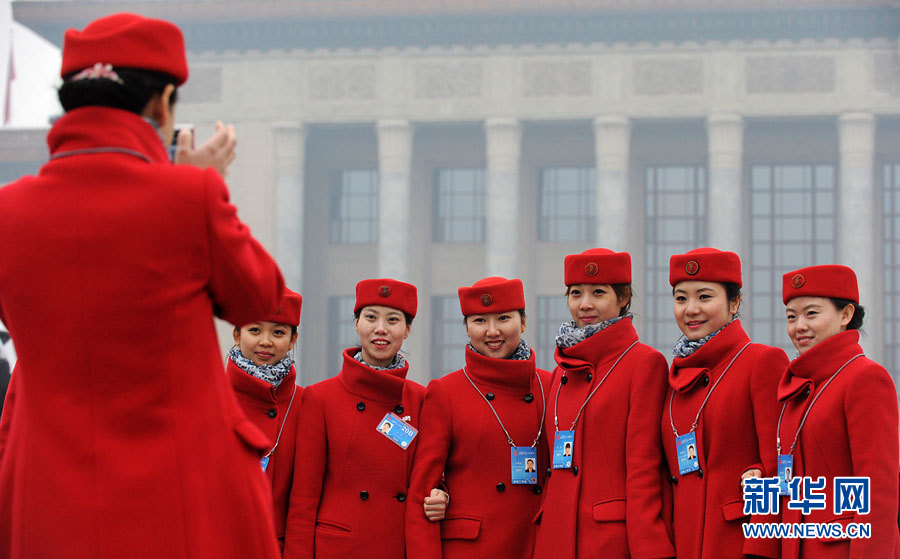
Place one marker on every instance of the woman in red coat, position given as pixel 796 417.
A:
pixel 605 495
pixel 125 440
pixel 480 427
pixel 356 439
pixel 719 413
pixel 261 371
pixel 838 417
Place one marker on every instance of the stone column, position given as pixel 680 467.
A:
pixel 394 193
pixel 857 241
pixel 724 215
pixel 504 145
pixel 612 145
pixel 290 166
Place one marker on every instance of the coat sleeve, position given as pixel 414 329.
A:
pixel 764 377
pixel 643 461
pixel 870 408
pixel 423 538
pixel 245 283
pixel 310 460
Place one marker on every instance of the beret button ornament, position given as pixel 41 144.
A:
pixel 691 267
pixel 798 281
pixel 487 300
pixel 384 291
pixel 591 269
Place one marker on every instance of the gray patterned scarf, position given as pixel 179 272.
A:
pixel 397 363
pixel 521 353
pixel 570 335
pixel 273 374
pixel 685 347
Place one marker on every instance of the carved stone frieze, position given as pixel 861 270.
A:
pixel 790 74
pixel 556 78
pixel 334 82
pixel 668 77
pixel 442 80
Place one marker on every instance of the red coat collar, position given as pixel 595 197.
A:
pixel 509 374
pixel 818 364
pixel 366 382
pixel 93 127
pixel 584 356
pixel 685 371
pixel 260 390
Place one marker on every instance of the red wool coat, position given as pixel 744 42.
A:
pixel 351 482
pixel 734 434
pixel 851 431
pixel 272 410
pixel 488 516
pixel 124 438
pixel 610 504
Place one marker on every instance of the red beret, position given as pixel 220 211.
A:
pixel 492 295
pixel 832 281
pixel 387 293
pixel 705 264
pixel 599 266
pixel 126 41
pixel 288 311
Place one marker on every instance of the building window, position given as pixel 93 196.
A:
pixel 459 206
pixel 354 207
pixel 449 337
pixel 792 225
pixel 341 330
pixel 892 267
pixel 567 204
pixel 552 310
pixel 675 221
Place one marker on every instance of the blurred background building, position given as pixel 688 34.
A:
pixel 439 142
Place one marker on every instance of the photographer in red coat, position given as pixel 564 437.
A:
pixel 262 374
pixel 123 438
pixel 605 495
pixel 838 416
pixel 357 438
pixel 480 427
pixel 720 411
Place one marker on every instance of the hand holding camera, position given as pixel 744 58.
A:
pixel 217 152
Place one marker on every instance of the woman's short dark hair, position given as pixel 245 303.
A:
pixel 859 313
pixel 409 318
pixel 521 313
pixel 133 94
pixel 732 291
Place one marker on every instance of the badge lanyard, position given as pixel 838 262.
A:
pixel 787 460
pixel 521 471
pixel 686 443
pixel 264 461
pixel 564 441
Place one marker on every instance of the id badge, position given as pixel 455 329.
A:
pixel 398 431
pixel 264 462
pixel 686 450
pixel 785 473
pixel 563 449
pixel 523 464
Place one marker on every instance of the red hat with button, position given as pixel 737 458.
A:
pixel 705 264
pixel 492 295
pixel 126 41
pixel 831 280
pixel 598 266
pixel 387 293
pixel 288 311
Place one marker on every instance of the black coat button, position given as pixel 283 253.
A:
pixel 400 496
pixel 363 495
pixel 564 379
pixel 549 472
pixel 501 487
pixel 272 413
pixel 529 398
pixel 589 377
pixel 361 406
pixel 806 393
pixel 398 409
pixel 574 470
pixel 705 380
pixel 536 489
pixel 674 480
pixel 489 395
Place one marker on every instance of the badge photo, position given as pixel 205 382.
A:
pixel 396 430
pixel 563 449
pixel 785 473
pixel 688 456
pixel 523 465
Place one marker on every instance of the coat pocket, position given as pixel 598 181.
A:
pixel 252 437
pixel 331 526
pixel 460 528
pixel 734 510
pixel 837 526
pixel 610 510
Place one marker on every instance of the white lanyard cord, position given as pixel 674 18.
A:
pixel 808 408
pixel 708 394
pixel 291 403
pixel 488 402
pixel 591 395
